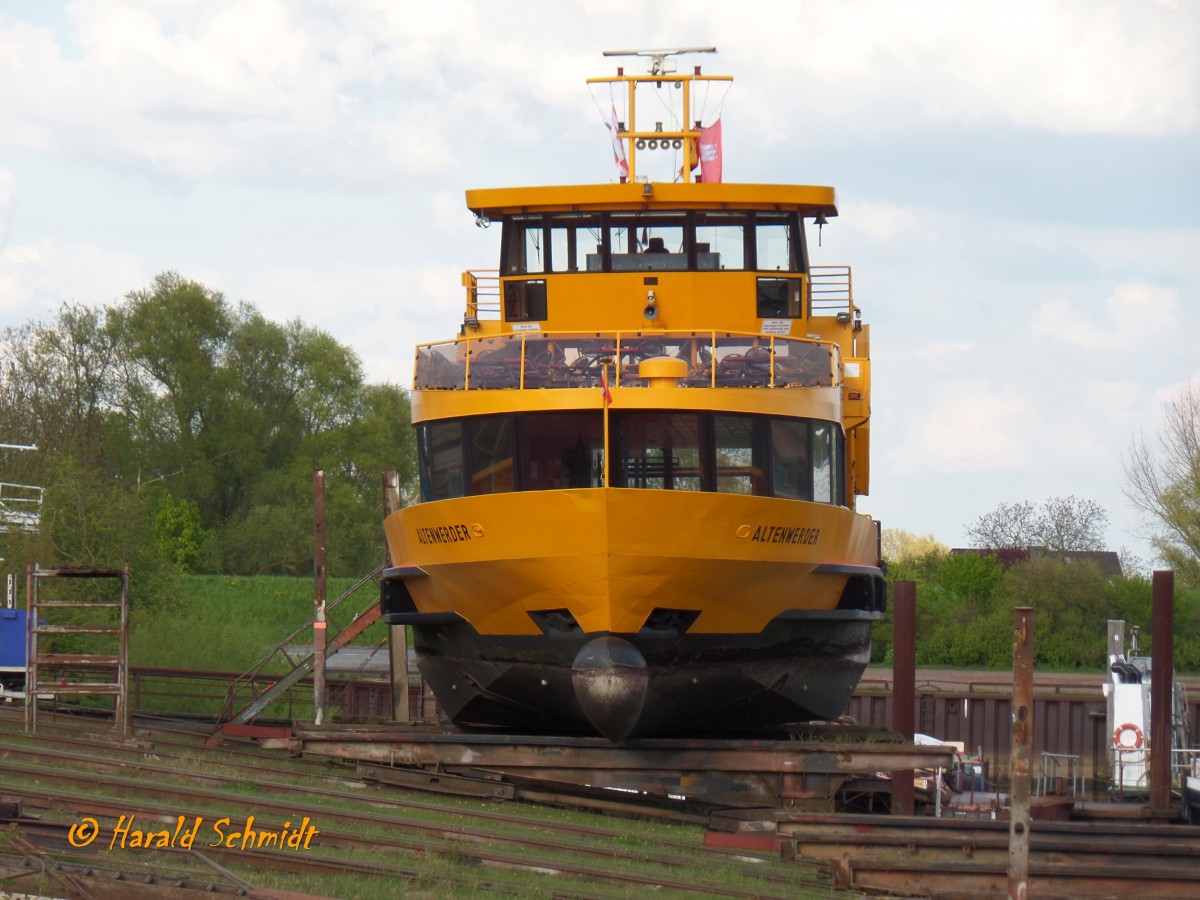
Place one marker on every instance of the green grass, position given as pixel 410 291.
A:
pixel 229 623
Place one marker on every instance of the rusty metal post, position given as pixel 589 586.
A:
pixel 397 634
pixel 320 632
pixel 31 653
pixel 121 702
pixel 1022 753
pixel 1162 684
pixel 904 687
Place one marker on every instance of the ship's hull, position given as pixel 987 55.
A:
pixel 635 612
pixel 793 671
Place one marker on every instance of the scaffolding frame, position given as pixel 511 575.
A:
pixel 39 662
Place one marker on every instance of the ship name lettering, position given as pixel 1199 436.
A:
pixel 785 534
pixel 443 534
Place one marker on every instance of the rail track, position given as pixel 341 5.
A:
pixel 932 857
pixel 373 840
pixel 375 837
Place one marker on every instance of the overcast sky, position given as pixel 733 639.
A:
pixel 1018 181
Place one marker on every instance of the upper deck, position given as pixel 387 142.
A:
pixel 809 200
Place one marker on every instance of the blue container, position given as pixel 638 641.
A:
pixel 12 639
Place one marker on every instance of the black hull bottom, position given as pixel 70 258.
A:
pixel 639 685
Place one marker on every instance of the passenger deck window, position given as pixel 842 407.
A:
pixel 795 459
pixel 791 459
pixel 440 447
pixel 824 468
pixel 491 447
pixel 562 450
pixel 741 451
pixel 659 450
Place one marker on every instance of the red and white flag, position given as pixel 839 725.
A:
pixel 604 391
pixel 710 153
pixel 618 145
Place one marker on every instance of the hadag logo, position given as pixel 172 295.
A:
pixel 183 836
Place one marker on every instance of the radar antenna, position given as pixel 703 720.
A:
pixel 628 138
pixel 659 64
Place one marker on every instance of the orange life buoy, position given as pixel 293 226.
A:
pixel 1127 737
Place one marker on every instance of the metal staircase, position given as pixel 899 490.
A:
pixel 246 685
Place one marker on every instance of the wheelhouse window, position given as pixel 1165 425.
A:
pixel 646 241
pixel 642 242
pixel 775 247
pixel 756 455
pixel 524 246
pixel 576 241
pixel 721 241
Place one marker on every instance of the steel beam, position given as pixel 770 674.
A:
pixel 320 626
pixel 1022 754
pixel 904 696
pixel 1162 689
pixel 722 772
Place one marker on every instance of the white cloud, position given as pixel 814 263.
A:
pixel 255 89
pixel 1108 399
pixel 969 426
pixel 940 350
pixel 1134 315
pixel 8 190
pixel 1071 67
pixel 885 222
pixel 37 278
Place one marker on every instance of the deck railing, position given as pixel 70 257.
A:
pixel 831 289
pixel 552 360
pixel 483 295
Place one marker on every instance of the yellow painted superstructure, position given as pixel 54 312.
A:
pixel 640 453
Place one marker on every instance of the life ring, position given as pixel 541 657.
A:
pixel 1127 737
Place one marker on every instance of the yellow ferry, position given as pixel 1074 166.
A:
pixel 639 457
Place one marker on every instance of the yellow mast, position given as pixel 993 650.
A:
pixel 662 70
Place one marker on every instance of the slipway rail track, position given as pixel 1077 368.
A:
pixel 374 833
pixel 930 857
pixel 370 836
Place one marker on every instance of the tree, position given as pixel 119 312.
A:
pixel 1071 607
pixel 1061 524
pixel 196 424
pixel 898 544
pixel 1164 483
pixel 179 532
pixel 1009 525
pixel 57 382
